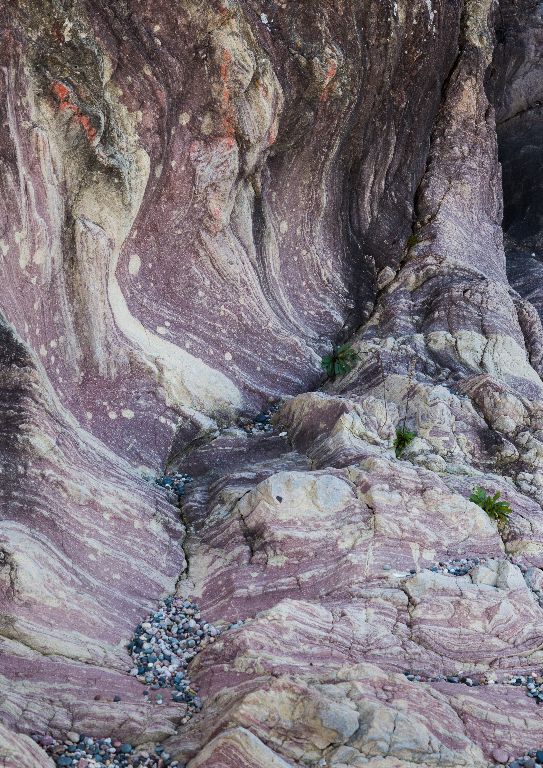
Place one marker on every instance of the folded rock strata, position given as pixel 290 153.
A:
pixel 197 199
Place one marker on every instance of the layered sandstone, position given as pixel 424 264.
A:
pixel 198 200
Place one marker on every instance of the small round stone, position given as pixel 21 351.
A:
pixel 500 756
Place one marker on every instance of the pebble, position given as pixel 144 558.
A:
pixel 500 756
pixel 163 646
pixel 236 624
pixel 533 683
pixel 175 485
pixel 260 423
pixel 95 753
pixel 458 566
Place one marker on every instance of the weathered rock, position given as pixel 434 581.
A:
pixel 237 748
pixel 197 198
pixel 86 547
pixel 19 751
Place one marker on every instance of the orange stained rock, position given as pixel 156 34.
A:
pixel 63 95
pixel 228 116
pixel 61 91
pixel 272 135
pixel 330 74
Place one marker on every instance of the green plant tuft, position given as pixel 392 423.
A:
pixel 404 437
pixel 497 510
pixel 342 360
pixel 413 239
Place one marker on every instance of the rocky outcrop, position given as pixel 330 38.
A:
pixel 86 544
pixel 197 200
pixel 19 751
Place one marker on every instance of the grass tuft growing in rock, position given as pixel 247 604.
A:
pixel 342 360
pixel 404 437
pixel 413 240
pixel 495 509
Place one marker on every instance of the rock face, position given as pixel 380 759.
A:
pixel 197 200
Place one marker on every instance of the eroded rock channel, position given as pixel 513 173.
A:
pixel 327 214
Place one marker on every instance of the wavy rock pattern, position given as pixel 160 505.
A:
pixel 196 199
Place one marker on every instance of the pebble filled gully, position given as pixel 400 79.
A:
pixel 161 650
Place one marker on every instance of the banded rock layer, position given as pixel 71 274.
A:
pixel 197 200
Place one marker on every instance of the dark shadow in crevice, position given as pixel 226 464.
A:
pixel 516 92
pixel 521 154
pixel 520 140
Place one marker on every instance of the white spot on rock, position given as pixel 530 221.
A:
pixel 127 413
pixel 134 264
pixel 67 30
pixel 227 355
